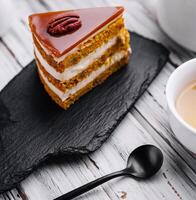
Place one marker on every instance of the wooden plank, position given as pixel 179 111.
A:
pixel 21 47
pixel 9 66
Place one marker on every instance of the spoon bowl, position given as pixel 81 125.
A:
pixel 144 162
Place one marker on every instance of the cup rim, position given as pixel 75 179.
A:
pixel 168 91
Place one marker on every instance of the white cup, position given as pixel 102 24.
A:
pixel 7 15
pixel 179 79
pixel 177 18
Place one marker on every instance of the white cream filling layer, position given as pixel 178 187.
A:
pixel 79 67
pixel 63 96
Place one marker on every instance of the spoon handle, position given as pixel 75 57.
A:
pixel 89 186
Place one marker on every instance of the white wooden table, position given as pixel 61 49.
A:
pixel 146 123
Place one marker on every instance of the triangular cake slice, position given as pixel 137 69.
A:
pixel 75 50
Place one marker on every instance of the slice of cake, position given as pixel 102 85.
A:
pixel 76 50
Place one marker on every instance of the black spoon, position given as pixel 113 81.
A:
pixel 142 163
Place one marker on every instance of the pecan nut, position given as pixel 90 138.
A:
pixel 64 24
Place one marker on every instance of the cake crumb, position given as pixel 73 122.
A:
pixel 123 195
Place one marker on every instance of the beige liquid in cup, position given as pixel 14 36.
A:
pixel 186 104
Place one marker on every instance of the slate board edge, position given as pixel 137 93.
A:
pixel 95 143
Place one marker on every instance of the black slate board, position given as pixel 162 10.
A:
pixel 33 128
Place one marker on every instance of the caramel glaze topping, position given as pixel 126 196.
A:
pixel 92 20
